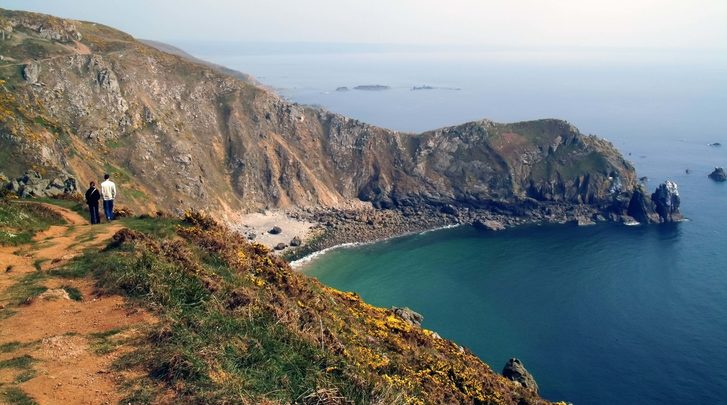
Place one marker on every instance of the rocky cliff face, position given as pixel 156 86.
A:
pixel 86 99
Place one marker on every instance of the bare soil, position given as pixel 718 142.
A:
pixel 62 335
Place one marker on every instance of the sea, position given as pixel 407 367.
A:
pixel 604 314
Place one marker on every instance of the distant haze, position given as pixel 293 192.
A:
pixel 507 23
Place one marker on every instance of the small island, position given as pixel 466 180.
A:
pixel 372 87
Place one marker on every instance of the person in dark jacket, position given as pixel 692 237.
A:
pixel 92 197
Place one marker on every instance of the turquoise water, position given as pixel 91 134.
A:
pixel 600 315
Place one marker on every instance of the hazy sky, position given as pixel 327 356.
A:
pixel 536 23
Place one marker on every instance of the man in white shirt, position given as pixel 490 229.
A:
pixel 108 192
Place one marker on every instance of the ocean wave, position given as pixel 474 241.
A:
pixel 297 264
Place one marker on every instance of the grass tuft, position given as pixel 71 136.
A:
pixel 73 293
pixel 16 396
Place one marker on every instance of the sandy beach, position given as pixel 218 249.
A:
pixel 260 224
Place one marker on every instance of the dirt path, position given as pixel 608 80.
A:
pixel 55 349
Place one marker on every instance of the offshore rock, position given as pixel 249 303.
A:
pixel 515 371
pixel 640 207
pixel 666 201
pixel 408 315
pixel 718 174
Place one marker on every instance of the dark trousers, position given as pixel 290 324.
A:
pixel 108 209
pixel 93 209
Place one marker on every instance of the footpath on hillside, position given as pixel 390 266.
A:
pixel 58 335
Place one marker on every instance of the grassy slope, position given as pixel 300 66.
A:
pixel 19 222
pixel 237 325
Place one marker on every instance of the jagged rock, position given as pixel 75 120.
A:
pixel 280 246
pixel 295 241
pixel 275 230
pixel 584 221
pixel 666 201
pixel 640 208
pixel 32 184
pixel 408 315
pixel 718 174
pixel 488 225
pixel 515 371
pixel 449 210
pixel 31 72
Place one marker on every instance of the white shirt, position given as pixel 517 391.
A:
pixel 108 190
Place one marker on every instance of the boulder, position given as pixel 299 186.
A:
pixel 295 241
pixel 718 174
pixel 280 246
pixel 31 72
pixel 488 225
pixel 666 201
pixel 408 315
pixel 515 371
pixel 275 230
pixel 584 221
pixel 450 210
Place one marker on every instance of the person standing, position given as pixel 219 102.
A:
pixel 92 197
pixel 108 192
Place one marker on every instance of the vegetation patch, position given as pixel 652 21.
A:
pixel 73 293
pixel 106 342
pixel 10 347
pixel 19 222
pixel 236 324
pixel 16 396
pixel 21 363
pixel 24 291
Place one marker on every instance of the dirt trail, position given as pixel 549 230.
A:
pixel 70 342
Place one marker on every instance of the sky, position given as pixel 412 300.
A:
pixel 689 24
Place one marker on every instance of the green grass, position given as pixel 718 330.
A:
pixel 196 337
pixel 38 264
pixel 16 396
pixel 26 375
pixel 77 206
pixel 10 347
pixel 73 293
pixel 105 342
pixel 157 227
pixel 19 222
pixel 24 291
pixel 21 363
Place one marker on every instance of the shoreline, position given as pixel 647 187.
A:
pixel 299 264
pixel 340 228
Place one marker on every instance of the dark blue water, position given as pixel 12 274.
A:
pixel 603 314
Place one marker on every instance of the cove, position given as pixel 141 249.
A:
pixel 599 314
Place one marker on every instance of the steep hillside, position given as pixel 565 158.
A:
pixel 83 98
pixel 184 311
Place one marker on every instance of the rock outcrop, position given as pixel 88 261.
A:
pixel 488 225
pixel 32 184
pixel 515 371
pixel 31 72
pixel 666 201
pixel 641 208
pixel 719 174
pixel 408 315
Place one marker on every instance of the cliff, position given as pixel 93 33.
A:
pixel 177 134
